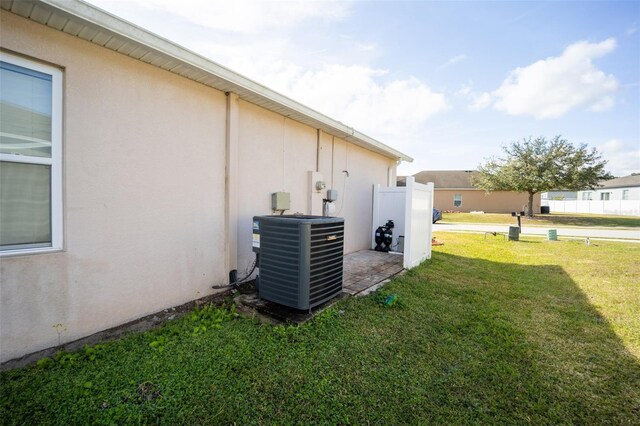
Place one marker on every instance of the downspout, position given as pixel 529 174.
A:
pixel 231 187
pixel 318 151
pixel 231 196
pixel 284 153
pixel 333 148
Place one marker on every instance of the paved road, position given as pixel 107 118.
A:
pixel 614 234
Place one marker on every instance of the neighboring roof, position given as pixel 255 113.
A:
pixel 632 180
pixel 92 24
pixel 447 179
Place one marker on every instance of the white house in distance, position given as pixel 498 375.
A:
pixel 619 196
pixel 559 195
pixel 622 188
pixel 131 169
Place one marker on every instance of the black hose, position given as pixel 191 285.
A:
pixel 241 280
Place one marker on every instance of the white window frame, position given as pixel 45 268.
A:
pixel 56 155
pixel 454 200
pixel 625 194
pixel 605 196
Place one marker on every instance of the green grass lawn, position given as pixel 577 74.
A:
pixel 555 219
pixel 498 332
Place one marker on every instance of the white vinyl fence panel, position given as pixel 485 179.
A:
pixel 411 210
pixel 418 223
pixel 389 204
pixel 613 207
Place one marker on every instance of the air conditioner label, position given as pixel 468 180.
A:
pixel 256 240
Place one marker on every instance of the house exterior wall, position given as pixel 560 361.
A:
pixel 355 190
pixel 143 195
pixel 477 200
pixel 558 195
pixel 615 194
pixel 277 154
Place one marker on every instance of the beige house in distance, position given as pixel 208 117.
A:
pixel 131 169
pixel 453 191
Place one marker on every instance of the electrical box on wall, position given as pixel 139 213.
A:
pixel 280 201
pixel 332 195
pixel 316 185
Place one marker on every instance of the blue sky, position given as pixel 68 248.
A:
pixel 448 83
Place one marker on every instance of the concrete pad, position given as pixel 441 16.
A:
pixel 364 270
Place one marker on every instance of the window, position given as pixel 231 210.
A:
pixel 604 196
pixel 30 156
pixel 587 195
pixel 457 200
pixel 625 194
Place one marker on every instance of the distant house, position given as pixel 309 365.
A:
pixel 622 188
pixel 619 196
pixel 559 195
pixel 454 192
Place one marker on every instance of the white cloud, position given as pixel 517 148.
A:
pixel 249 16
pixel 457 59
pixel 480 101
pixel 631 30
pixel 453 60
pixel 465 90
pixel 552 87
pixel 603 104
pixel 366 47
pixel 623 157
pixel 360 97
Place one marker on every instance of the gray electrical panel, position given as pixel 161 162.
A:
pixel 280 201
pixel 300 258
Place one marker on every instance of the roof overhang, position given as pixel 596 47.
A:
pixel 92 24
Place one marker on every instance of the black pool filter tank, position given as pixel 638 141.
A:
pixel 384 237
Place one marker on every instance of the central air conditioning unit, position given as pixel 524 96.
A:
pixel 300 259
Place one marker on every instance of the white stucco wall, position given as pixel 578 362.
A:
pixel 144 191
pixel 143 196
pixel 276 154
pixel 355 193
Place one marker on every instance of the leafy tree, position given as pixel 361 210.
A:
pixel 540 165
